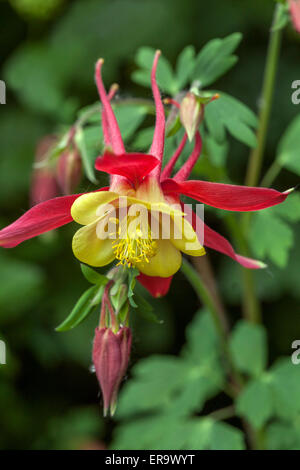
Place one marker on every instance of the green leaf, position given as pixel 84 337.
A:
pixel 184 66
pixel 229 113
pixel 288 148
pixel 82 309
pixel 271 237
pixel 143 139
pixel 165 77
pixel 217 151
pixel 282 436
pixel 255 402
pixel 129 118
pixel 215 59
pixel 29 72
pixel 248 348
pixel 154 382
pixel 132 274
pixel 152 433
pixel 202 337
pixel 198 433
pixel 85 141
pixel 214 123
pixel 285 381
pixel 289 209
pixel 92 276
pixel 226 437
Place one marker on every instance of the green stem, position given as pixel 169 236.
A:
pixel 223 413
pixel 203 294
pixel 256 156
pixel 251 305
pixel 271 174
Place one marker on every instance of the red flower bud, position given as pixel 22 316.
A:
pixel 295 13
pixel 111 352
pixel 44 185
pixel 68 171
pixel 191 112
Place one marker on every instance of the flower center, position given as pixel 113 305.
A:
pixel 134 244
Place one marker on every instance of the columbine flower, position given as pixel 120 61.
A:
pixel 295 13
pixel 139 178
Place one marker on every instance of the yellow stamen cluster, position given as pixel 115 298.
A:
pixel 133 247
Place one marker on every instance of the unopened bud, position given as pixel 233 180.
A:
pixel 68 170
pixel 44 184
pixel 111 352
pixel 295 13
pixel 190 112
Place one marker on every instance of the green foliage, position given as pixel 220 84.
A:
pixel 165 78
pixel 255 402
pixel 93 276
pixel 184 66
pixel 283 435
pixel 85 305
pixel 215 59
pixel 270 233
pixel 29 73
pixel 248 348
pixel 89 139
pixel 288 148
pixel 172 389
pixel 270 283
pixel 228 113
pixel 273 394
pixel 87 142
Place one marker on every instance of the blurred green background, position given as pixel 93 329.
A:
pixel 48 397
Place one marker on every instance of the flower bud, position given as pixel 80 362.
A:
pixel 111 352
pixel 44 185
pixel 68 170
pixel 191 112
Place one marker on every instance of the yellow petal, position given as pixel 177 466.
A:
pixel 184 238
pixel 90 249
pixel 165 263
pixel 156 207
pixel 85 209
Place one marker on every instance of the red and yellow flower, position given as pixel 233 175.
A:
pixel 138 179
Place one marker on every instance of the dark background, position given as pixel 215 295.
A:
pixel 48 397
